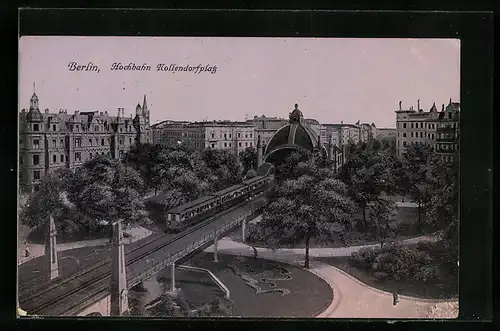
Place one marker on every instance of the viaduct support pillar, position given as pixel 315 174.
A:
pixel 119 290
pixel 243 230
pixel 216 253
pixel 51 248
pixel 172 276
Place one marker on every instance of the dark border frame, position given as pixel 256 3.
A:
pixel 475 29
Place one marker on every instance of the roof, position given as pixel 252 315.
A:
pixel 229 189
pixel 191 204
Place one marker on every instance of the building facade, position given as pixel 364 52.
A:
pixel 438 129
pixel 233 136
pixel 51 141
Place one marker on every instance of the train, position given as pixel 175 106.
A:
pixel 190 213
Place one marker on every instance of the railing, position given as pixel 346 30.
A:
pixel 151 268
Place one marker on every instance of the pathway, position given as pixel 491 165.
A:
pixel 352 298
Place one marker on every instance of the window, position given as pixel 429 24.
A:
pixel 36 143
pixel 421 125
pixel 62 158
pixel 239 135
pixel 404 125
pixel 121 141
pixel 121 152
pixel 77 128
pixel 225 136
pixel 250 144
pixel 225 144
pixel 54 143
pixel 36 174
pixel 21 159
pixel 213 135
pixel 449 116
pixel 250 136
pixel 102 142
pixel 411 125
pixel 404 143
pixel 54 158
pixel 433 136
pixel 229 136
pixel 78 142
pixel 36 127
pixel 421 134
pixel 230 144
pixel 71 127
pixel 239 144
pixel 121 129
pixel 36 159
pixel 96 142
pixel 90 142
pixel 78 157
pixel 90 155
pixel 36 188
pixel 130 141
pixel 246 144
pixel 246 135
pixel 411 134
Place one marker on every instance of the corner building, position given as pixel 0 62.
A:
pixel 438 129
pixel 51 141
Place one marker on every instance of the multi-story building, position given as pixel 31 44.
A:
pixel 234 136
pixel 419 127
pixel 266 127
pixel 51 141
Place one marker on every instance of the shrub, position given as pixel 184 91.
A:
pixel 364 257
pixel 427 273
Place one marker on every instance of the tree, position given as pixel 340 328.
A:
pixel 225 165
pixel 248 158
pixel 382 214
pixel 104 189
pixel 367 175
pixel 419 164
pixel 289 168
pixel 146 159
pixel 46 201
pixel 311 206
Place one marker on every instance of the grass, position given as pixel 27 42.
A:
pixel 427 290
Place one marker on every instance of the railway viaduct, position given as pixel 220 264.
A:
pixel 97 298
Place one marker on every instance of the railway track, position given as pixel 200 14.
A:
pixel 98 275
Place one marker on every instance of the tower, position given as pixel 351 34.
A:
pixel 140 124
pixel 119 291
pixel 145 111
pixel 50 248
pixel 259 153
pixel 34 100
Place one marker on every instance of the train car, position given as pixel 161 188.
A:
pixel 256 185
pixel 231 196
pixel 192 212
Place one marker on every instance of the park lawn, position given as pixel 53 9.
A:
pixel 413 288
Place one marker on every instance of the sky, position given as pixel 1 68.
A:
pixel 331 79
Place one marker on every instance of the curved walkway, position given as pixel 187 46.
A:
pixel 352 298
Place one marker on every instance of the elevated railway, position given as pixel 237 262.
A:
pixel 67 296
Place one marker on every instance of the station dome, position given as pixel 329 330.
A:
pixel 296 134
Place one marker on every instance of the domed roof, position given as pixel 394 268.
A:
pixel 34 115
pixel 251 173
pixel 296 134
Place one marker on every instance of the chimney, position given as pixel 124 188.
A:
pixel 106 112
pixel 341 122
pixel 100 114
pixel 400 102
pixel 442 107
pixel 418 104
pixel 46 110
